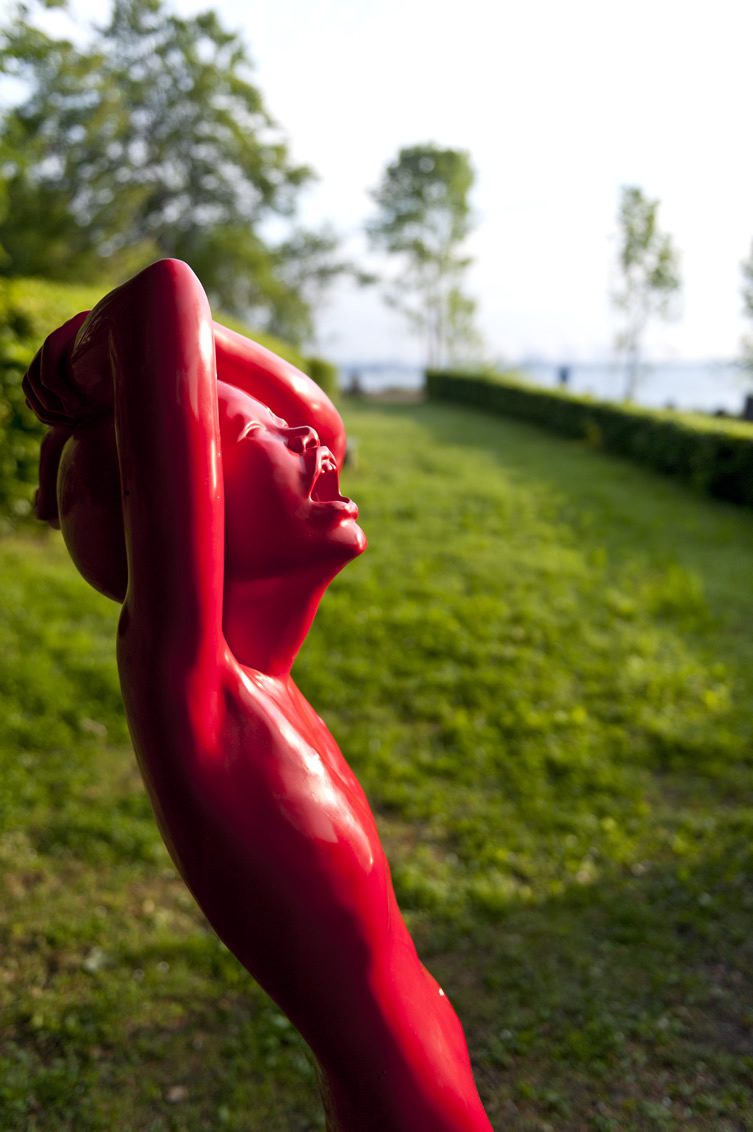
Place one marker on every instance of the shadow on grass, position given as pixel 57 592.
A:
pixel 626 1004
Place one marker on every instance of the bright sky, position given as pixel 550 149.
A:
pixel 559 102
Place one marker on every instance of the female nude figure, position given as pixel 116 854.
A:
pixel 218 525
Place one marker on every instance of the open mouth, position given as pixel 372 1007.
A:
pixel 326 485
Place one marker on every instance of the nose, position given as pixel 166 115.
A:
pixel 300 438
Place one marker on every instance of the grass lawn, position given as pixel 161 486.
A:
pixel 542 671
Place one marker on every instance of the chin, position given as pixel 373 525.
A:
pixel 340 546
pixel 318 553
pixel 350 540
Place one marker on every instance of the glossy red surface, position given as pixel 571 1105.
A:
pixel 222 491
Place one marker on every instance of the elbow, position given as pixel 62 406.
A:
pixel 165 306
pixel 169 276
pixel 167 283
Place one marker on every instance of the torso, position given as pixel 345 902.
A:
pixel 275 838
pixel 274 835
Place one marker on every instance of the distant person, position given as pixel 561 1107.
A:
pixel 563 376
pixel 356 388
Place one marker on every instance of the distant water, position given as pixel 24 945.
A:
pixel 377 377
pixel 706 386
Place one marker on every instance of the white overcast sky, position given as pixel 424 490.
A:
pixel 559 102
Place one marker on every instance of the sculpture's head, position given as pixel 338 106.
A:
pixel 283 509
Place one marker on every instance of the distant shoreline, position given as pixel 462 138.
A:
pixel 710 386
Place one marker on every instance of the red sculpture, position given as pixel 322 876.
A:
pixel 182 492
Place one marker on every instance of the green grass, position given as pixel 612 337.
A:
pixel 542 671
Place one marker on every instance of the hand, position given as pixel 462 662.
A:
pixel 66 384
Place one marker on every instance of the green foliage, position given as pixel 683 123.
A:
pixel 29 310
pixel 541 671
pixel 650 276
pixel 713 456
pixel 464 342
pixel 308 264
pixel 151 139
pixel 324 373
pixel 424 217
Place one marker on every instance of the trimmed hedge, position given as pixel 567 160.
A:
pixel 325 374
pixel 714 456
pixel 29 310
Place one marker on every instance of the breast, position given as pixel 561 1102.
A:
pixel 285 789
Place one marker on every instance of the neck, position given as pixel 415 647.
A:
pixel 265 620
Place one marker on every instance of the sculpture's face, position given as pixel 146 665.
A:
pixel 283 507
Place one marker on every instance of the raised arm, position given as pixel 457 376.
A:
pixel 288 392
pixel 152 338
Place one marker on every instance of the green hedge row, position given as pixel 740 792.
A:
pixel 29 310
pixel 713 455
pixel 324 373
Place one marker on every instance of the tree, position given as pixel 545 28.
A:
pixel 463 340
pixel 747 293
pixel 424 216
pixel 650 277
pixel 150 140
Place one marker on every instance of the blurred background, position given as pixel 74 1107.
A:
pixel 557 108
